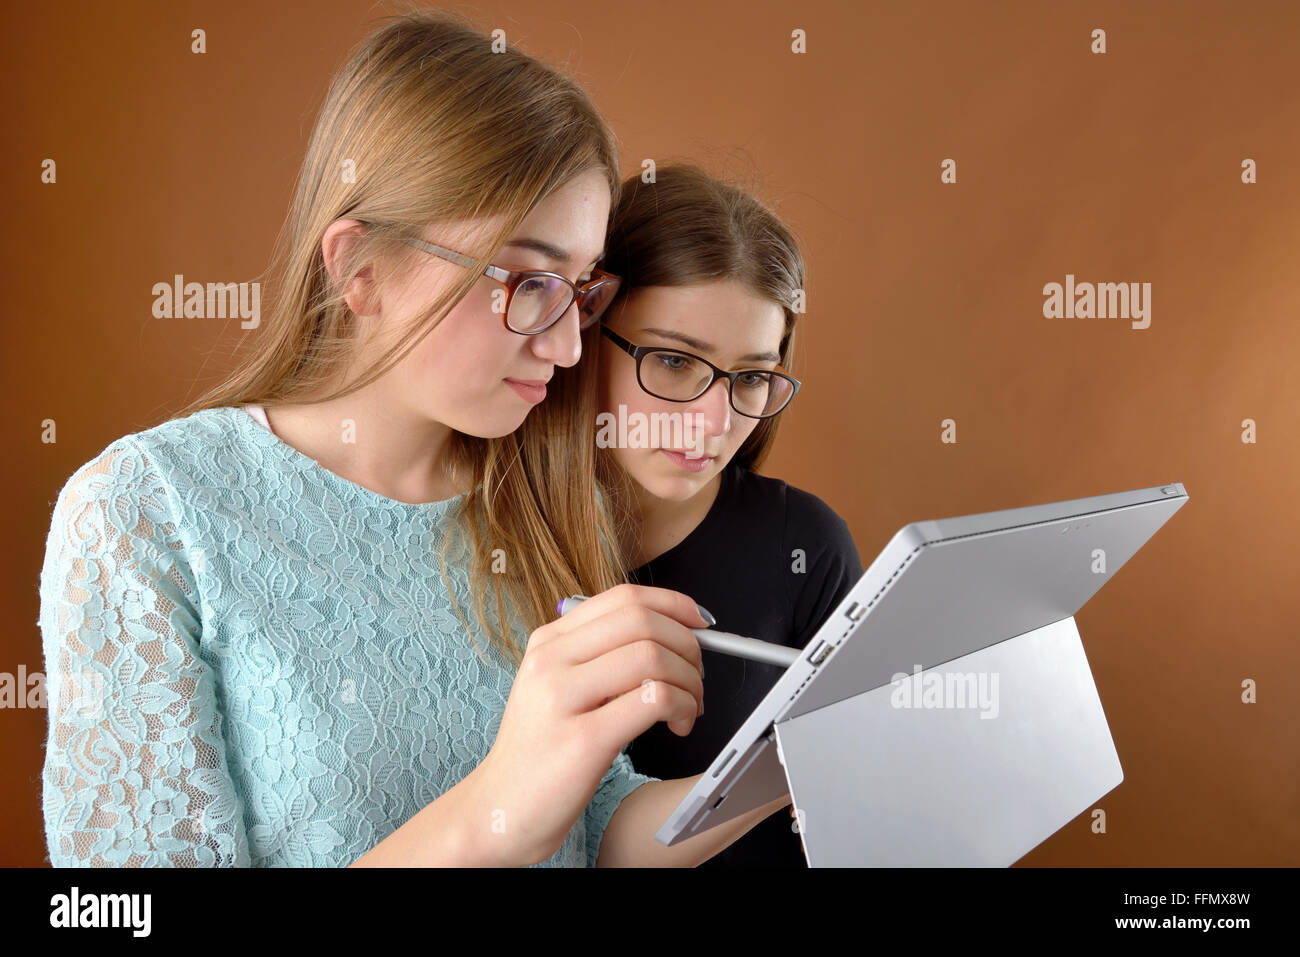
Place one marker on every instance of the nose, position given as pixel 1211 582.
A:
pixel 715 407
pixel 560 344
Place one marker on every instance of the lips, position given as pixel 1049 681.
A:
pixel 687 453
pixel 530 390
pixel 691 464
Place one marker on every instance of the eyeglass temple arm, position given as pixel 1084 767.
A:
pixel 496 272
pixel 618 340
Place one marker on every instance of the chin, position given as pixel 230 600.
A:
pixel 676 491
pixel 662 479
pixel 494 426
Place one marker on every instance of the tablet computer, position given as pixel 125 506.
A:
pixel 939 591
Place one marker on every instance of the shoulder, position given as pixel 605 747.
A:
pixel 821 532
pixel 208 430
pixel 146 463
pixel 805 514
pixel 807 511
pixel 817 547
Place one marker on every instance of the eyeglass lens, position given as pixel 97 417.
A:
pixel 671 375
pixel 539 301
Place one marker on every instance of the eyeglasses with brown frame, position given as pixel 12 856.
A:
pixel 536 298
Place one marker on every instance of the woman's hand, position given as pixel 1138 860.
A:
pixel 589 683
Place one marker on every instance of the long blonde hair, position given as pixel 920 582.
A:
pixel 426 123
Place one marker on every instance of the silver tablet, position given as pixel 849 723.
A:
pixel 940 591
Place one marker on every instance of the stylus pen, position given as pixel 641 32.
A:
pixel 720 641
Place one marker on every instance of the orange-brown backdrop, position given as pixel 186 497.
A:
pixel 924 302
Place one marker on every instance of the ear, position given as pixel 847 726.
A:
pixel 360 294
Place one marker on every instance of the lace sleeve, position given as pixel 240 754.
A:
pixel 135 771
pixel 619 781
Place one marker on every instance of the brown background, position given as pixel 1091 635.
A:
pixel 925 302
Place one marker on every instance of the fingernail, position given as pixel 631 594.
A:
pixel 701 714
pixel 704 613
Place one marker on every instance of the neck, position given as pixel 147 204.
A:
pixel 664 523
pixel 373 441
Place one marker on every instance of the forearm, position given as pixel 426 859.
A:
pixel 629 839
pixel 451 831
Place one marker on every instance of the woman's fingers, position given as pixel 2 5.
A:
pixel 622 625
pixel 637 665
pixel 669 603
pixel 633 712
pixel 626 654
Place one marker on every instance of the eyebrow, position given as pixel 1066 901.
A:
pixel 548 250
pixel 700 346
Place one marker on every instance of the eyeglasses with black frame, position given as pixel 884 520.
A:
pixel 536 298
pixel 683 377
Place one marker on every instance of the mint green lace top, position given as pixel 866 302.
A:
pixel 252 661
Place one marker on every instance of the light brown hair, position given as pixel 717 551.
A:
pixel 440 128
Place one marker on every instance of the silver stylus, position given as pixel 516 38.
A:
pixel 721 641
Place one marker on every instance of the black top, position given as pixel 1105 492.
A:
pixel 771 562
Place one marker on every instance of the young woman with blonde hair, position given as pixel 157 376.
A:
pixel 254 613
